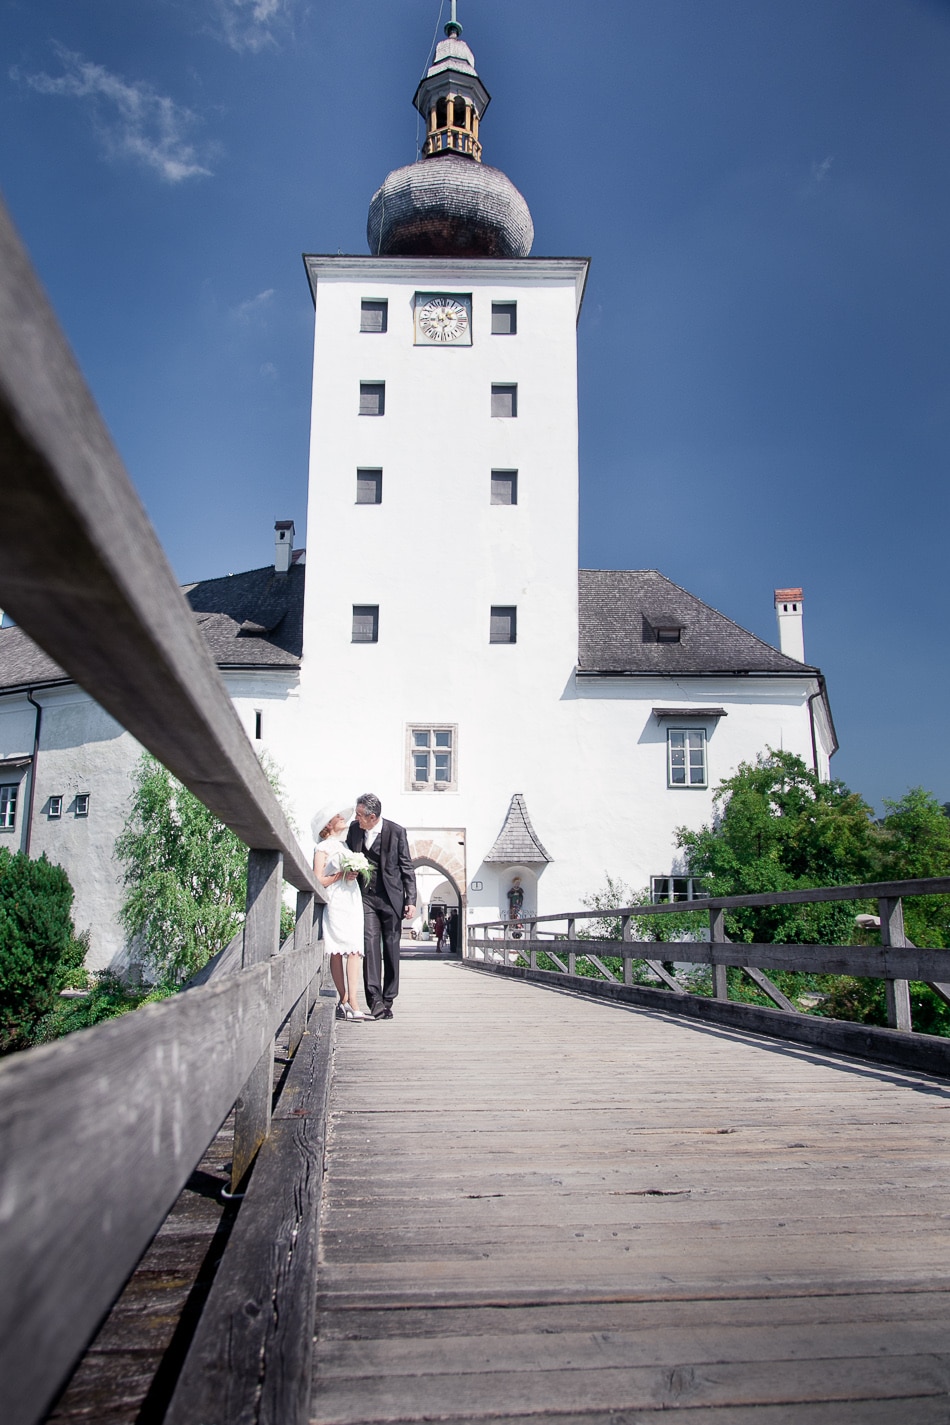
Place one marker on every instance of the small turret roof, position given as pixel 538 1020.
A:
pixel 518 843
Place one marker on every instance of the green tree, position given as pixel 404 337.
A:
pixel 778 827
pixel 39 949
pixel 185 875
pixel 915 842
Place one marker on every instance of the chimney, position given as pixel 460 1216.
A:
pixel 284 545
pixel 788 612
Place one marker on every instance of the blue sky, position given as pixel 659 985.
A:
pixel 765 365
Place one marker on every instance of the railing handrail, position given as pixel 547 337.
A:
pixel 83 573
pixel 926 886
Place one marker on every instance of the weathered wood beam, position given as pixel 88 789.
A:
pixel 100 1131
pixel 250 1359
pixel 83 573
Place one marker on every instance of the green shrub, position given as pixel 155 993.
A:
pixel 39 949
pixel 108 998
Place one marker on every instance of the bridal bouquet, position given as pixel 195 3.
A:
pixel 356 861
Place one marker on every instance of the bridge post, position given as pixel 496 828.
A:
pixel 717 936
pixel 625 936
pixel 303 939
pixel 572 953
pixel 261 941
pixel 891 911
pixel 532 929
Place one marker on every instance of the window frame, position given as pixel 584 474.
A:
pixel 501 475
pixel 431 784
pixel 363 611
pixel 365 388
pixel 9 802
pixel 687 784
pixel 366 473
pixel 501 309
pixel 81 804
pixel 54 807
pixel 671 896
pixel 499 388
pixel 370 305
pixel 500 611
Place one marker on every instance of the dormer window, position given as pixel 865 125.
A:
pixel 662 628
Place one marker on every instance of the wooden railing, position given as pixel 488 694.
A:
pixel 100 1131
pixel 506 944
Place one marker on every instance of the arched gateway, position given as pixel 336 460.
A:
pixel 442 849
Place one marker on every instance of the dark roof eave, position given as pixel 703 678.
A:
pixel 804 672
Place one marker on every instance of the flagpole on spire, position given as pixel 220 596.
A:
pixel 453 29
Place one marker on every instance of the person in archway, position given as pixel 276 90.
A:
pixel 452 929
pixel 437 925
pixel 389 898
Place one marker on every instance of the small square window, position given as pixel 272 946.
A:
pixel 366 623
pixel 54 808
pixel 8 801
pixel 81 804
pixel 504 401
pixel 675 888
pixel 686 757
pixel 369 487
pixel 430 763
pixel 504 318
pixel 372 398
pixel 258 725
pixel 504 624
pixel 374 316
pixel 504 487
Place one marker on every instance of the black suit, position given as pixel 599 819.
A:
pixel 384 901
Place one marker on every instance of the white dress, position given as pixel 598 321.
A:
pixel 343 916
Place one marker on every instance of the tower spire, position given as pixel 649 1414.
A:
pixel 451 97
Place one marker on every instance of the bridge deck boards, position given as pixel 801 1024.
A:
pixel 538 1206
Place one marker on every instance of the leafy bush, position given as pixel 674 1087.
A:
pixel 108 998
pixel 39 949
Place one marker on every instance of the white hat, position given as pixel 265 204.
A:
pixel 326 814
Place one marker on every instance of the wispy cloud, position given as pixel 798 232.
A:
pixel 252 24
pixel 819 171
pixel 252 307
pixel 132 119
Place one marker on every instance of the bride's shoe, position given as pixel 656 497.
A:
pixel 355 1013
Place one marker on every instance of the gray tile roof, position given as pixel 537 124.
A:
pixel 252 620
pixel 620 609
pixel 517 842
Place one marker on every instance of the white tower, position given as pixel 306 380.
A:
pixel 441 608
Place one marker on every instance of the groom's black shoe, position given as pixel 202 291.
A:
pixel 386 1014
pixel 379 1010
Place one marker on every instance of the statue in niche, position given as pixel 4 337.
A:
pixel 515 906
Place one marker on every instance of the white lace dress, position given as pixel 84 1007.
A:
pixel 343 916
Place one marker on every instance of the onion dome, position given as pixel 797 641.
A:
pixel 450 204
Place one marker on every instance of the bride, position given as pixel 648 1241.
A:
pixel 343 914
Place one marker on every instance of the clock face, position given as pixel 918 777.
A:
pixel 443 320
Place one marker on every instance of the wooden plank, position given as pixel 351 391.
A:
pixel 897 991
pixel 136 1100
pixel 261 941
pixel 250 1359
pixel 887 1046
pixel 658 1213
pixel 112 614
pixel 771 989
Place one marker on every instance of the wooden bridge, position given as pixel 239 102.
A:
pixel 530 1196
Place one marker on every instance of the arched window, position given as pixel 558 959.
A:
pixel 442 113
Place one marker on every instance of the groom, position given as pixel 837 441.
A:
pixel 388 899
